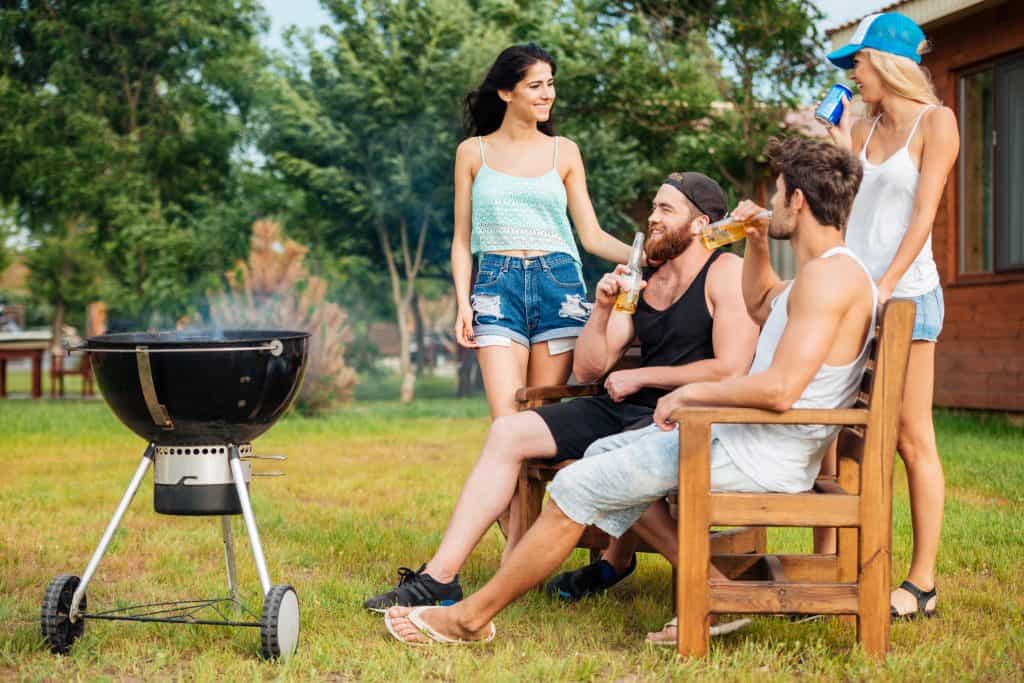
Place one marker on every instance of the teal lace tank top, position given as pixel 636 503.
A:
pixel 515 212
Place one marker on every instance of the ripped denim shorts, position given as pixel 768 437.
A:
pixel 528 300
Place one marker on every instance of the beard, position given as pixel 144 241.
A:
pixel 668 245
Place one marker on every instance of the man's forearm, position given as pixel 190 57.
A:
pixel 591 353
pixel 759 278
pixel 675 376
pixel 749 391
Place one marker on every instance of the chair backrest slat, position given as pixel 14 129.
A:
pixel 891 339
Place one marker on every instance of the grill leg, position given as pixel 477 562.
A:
pixel 126 499
pixel 250 520
pixel 229 555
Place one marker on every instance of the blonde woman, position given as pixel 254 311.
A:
pixel 907 144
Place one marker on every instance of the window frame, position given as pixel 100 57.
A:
pixel 997 274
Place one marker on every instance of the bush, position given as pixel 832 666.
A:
pixel 272 289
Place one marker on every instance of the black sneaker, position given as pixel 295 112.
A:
pixel 595 578
pixel 416 589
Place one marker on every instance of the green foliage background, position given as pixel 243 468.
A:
pixel 140 140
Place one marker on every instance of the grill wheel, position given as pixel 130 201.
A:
pixel 58 630
pixel 279 625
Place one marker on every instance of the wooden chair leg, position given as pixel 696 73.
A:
pixel 530 494
pixel 875 563
pixel 693 598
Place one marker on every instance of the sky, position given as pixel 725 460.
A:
pixel 309 14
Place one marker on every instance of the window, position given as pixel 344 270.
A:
pixel 992 167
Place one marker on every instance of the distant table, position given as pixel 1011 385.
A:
pixel 21 345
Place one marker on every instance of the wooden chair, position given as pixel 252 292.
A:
pixel 853 581
pixel 536 473
pixel 63 364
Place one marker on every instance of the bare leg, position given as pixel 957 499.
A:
pixel 619 553
pixel 826 540
pixel 658 529
pixel 504 370
pixel 543 370
pixel 920 455
pixel 489 487
pixel 542 549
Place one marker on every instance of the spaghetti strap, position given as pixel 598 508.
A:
pixel 913 130
pixel 864 149
pixel 480 139
pixel 555 162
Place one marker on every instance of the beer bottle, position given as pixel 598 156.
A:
pixel 729 230
pixel 629 283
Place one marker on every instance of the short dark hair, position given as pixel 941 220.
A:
pixel 828 176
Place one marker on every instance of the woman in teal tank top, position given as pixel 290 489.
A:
pixel 516 184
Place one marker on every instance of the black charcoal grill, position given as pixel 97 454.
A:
pixel 198 399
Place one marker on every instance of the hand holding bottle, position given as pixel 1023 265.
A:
pixel 736 226
pixel 755 220
pixel 630 285
pixel 610 286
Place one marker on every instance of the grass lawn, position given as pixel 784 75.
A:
pixel 370 489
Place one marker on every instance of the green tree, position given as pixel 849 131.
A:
pixel 770 59
pixel 367 127
pixel 125 116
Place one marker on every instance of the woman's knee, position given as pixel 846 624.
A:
pixel 916 444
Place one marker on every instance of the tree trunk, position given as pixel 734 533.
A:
pixel 402 292
pixel 405 366
pixel 56 355
pixel 465 359
pixel 422 352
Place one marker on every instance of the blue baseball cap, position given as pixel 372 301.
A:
pixel 890 32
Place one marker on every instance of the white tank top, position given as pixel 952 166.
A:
pixel 881 215
pixel 786 458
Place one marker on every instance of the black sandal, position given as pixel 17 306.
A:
pixel 922 601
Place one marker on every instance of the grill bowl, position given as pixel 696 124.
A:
pixel 216 386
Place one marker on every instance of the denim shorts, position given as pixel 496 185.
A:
pixel 529 300
pixel 621 475
pixel 930 313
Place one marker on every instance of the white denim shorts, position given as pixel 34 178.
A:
pixel 621 475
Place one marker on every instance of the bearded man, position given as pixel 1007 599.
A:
pixel 693 327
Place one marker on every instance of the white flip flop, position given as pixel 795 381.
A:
pixel 425 628
pixel 716 630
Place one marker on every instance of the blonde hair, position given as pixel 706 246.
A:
pixel 902 76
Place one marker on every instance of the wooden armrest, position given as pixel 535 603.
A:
pixel 557 391
pixel 723 415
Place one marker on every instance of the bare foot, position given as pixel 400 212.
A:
pixel 443 621
pixel 669 633
pixel 666 636
pixel 905 603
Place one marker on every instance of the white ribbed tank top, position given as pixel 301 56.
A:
pixel 881 215
pixel 786 458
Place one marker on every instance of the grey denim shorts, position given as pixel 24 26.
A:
pixel 621 475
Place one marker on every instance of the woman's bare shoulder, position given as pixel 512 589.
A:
pixel 940 120
pixel 567 147
pixel 468 149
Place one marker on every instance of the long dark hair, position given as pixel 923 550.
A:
pixel 484 109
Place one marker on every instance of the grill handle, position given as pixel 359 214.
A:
pixel 157 411
pixel 275 347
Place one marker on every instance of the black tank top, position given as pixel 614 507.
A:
pixel 678 335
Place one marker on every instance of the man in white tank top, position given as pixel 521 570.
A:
pixel 811 353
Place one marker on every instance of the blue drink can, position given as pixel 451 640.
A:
pixel 831 108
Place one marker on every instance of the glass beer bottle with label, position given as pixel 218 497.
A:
pixel 729 230
pixel 629 283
